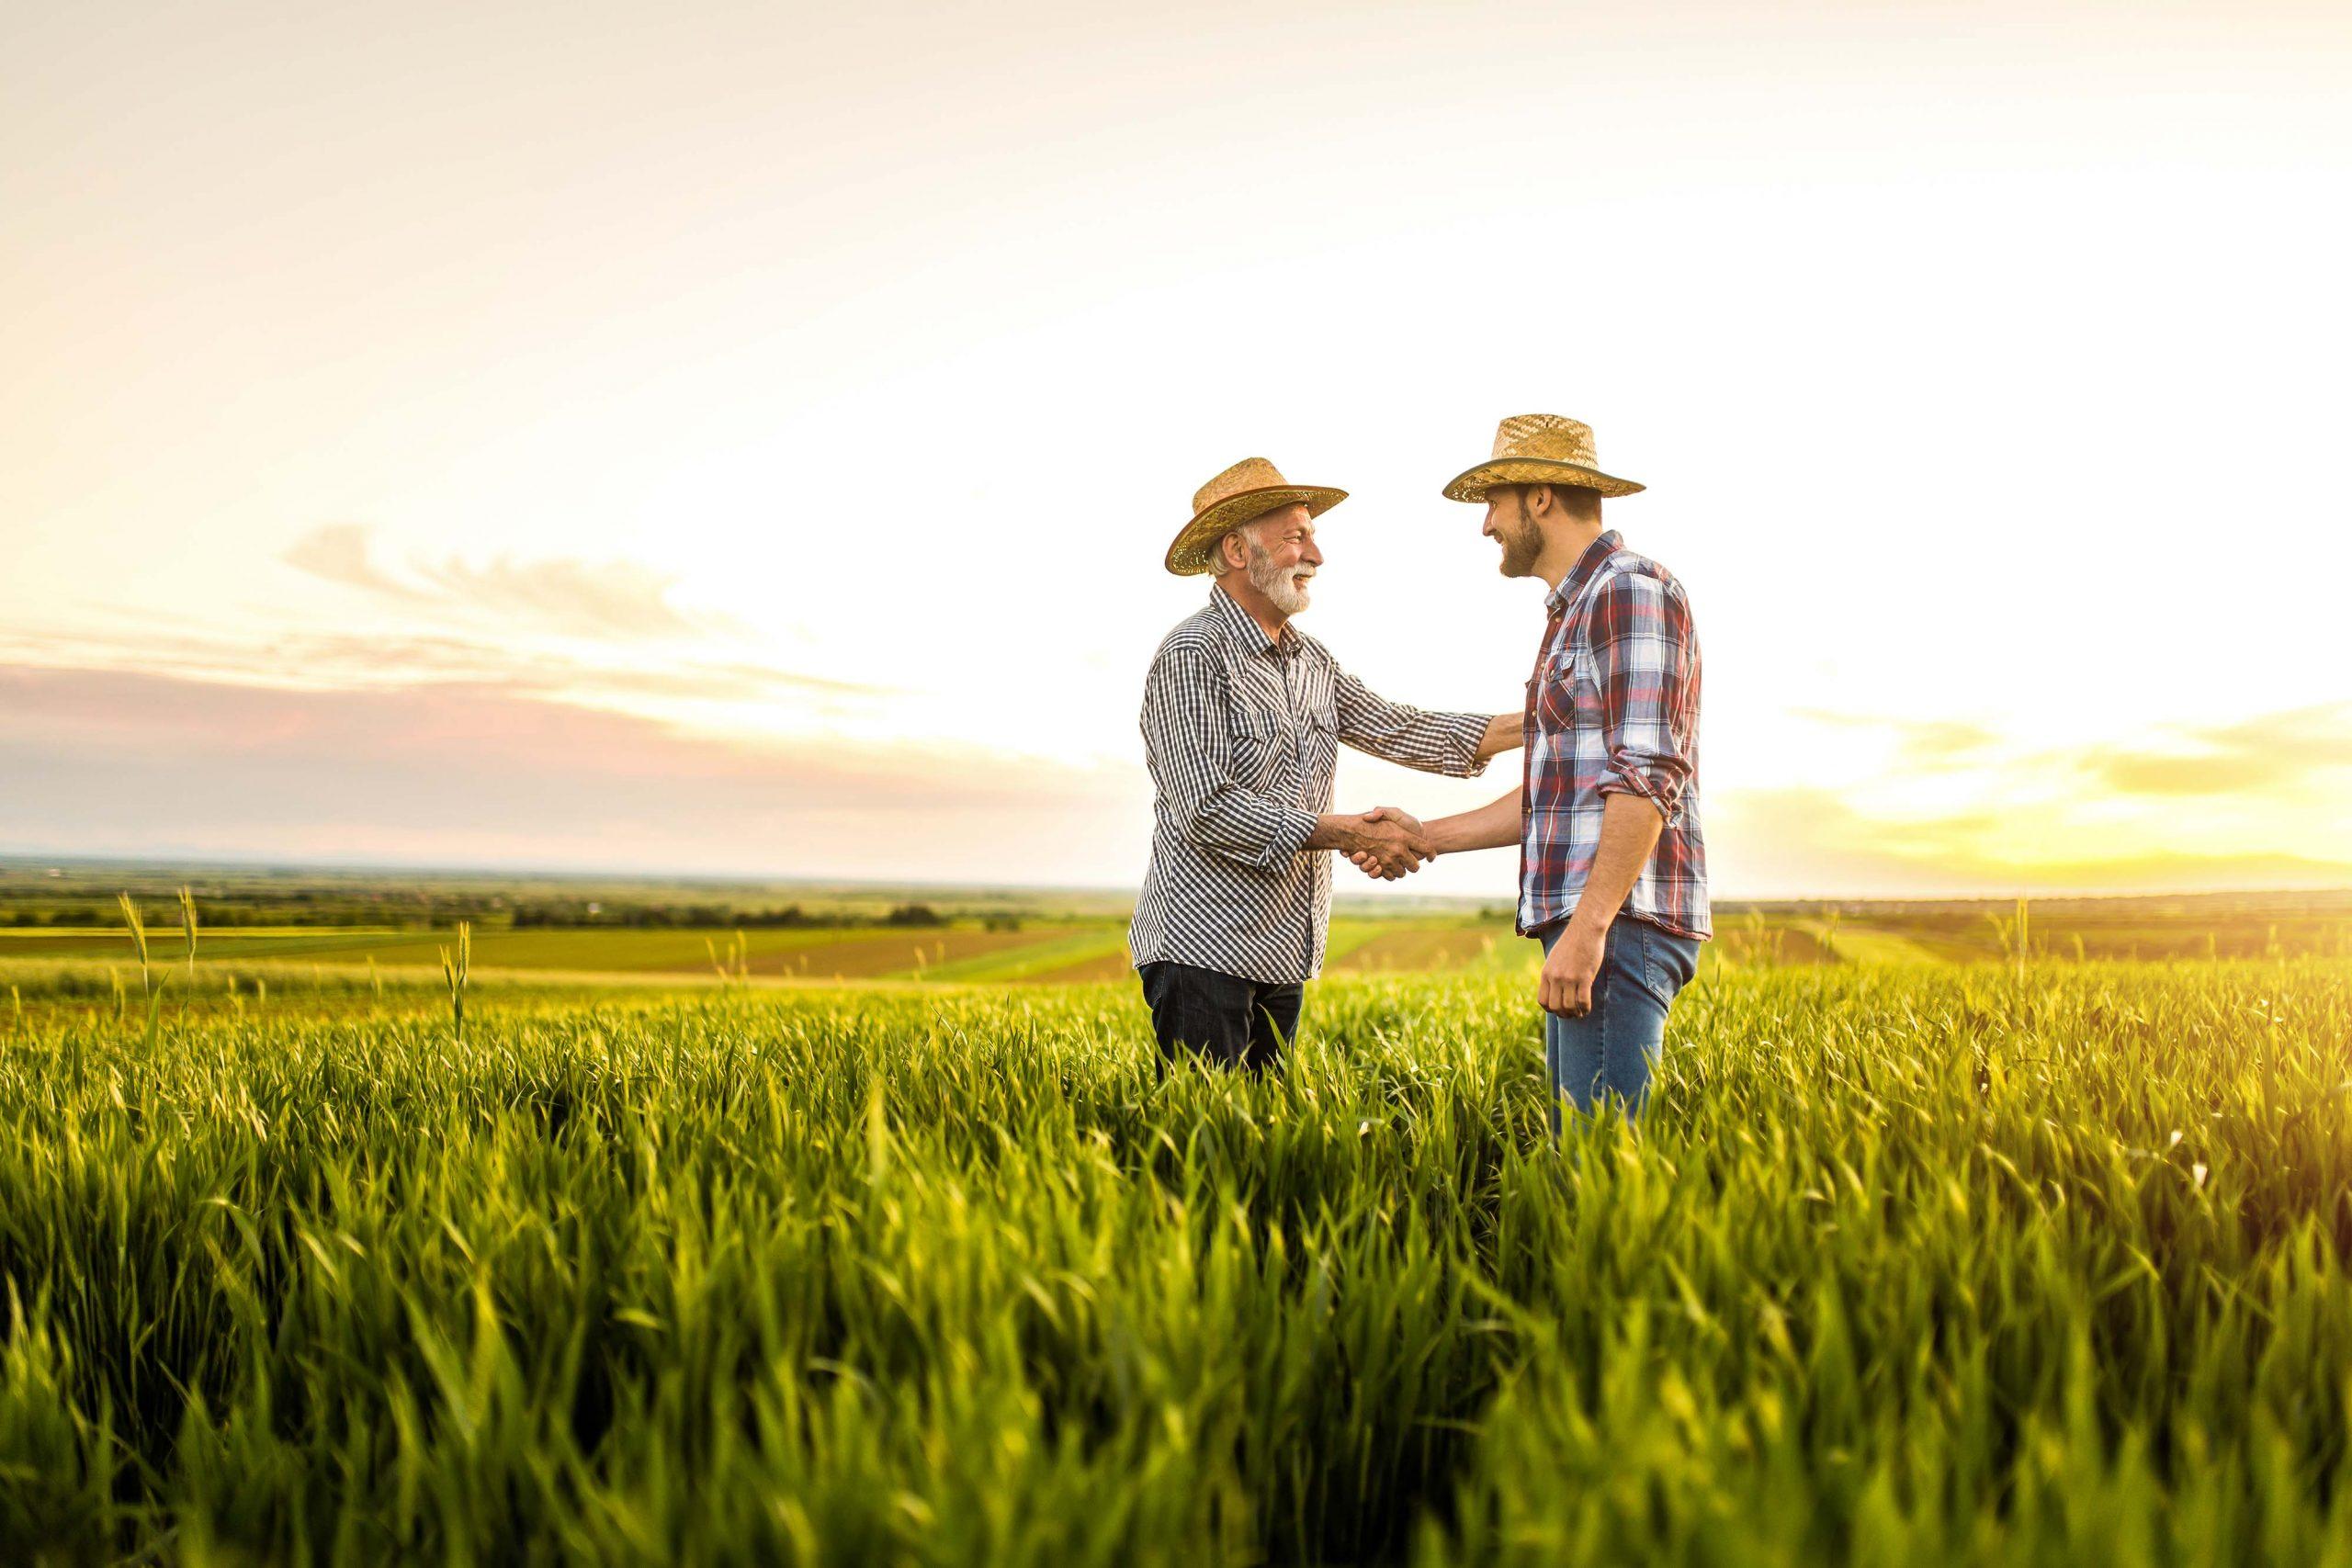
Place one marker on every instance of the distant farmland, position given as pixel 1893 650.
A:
pixel 1049 953
pixel 1032 943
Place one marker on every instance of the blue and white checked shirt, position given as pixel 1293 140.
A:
pixel 1242 734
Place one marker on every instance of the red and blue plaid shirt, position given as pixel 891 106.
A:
pixel 1612 708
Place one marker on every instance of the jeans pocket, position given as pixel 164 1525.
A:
pixel 1667 962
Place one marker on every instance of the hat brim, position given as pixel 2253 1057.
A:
pixel 1189 554
pixel 1473 484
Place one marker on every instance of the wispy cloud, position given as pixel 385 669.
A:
pixel 437 749
pixel 615 601
pixel 1931 805
pixel 115 761
pixel 339 554
pixel 2161 772
pixel 1916 739
pixel 1816 842
pixel 350 661
pixel 2267 752
pixel 2321 734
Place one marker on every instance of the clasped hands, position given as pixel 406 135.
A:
pixel 1387 843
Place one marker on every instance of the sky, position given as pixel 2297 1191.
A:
pixel 743 439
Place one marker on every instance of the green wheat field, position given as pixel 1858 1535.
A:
pixel 2026 1259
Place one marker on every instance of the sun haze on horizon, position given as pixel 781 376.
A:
pixel 743 439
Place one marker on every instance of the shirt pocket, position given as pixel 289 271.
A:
pixel 1260 748
pixel 1552 695
pixel 1319 756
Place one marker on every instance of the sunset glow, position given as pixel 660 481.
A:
pixel 584 437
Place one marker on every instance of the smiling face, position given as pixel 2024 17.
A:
pixel 1508 526
pixel 1540 528
pixel 1278 555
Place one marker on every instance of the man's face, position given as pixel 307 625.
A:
pixel 1283 556
pixel 1509 524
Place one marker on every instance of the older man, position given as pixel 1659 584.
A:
pixel 1242 721
pixel 1612 865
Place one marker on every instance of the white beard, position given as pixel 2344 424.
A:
pixel 1275 582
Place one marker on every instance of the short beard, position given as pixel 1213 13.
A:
pixel 1522 543
pixel 1275 581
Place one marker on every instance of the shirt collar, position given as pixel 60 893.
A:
pixel 1243 627
pixel 1599 551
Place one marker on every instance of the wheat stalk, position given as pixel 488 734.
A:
pixel 187 928
pixel 455 970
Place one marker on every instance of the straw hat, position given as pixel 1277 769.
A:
pixel 1244 492
pixel 1538 449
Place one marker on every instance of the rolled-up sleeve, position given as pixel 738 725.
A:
pixel 1433 742
pixel 1187 747
pixel 1645 656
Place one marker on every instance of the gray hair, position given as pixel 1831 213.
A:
pixel 1245 532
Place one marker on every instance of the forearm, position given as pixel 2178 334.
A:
pixel 1454 744
pixel 1630 826
pixel 1505 732
pixel 1490 827
pixel 1336 830
pixel 1457 744
pixel 1249 830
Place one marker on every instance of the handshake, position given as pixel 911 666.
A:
pixel 1385 842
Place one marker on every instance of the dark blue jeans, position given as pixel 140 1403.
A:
pixel 1610 1050
pixel 1226 1019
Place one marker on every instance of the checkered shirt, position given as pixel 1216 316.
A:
pixel 1612 708
pixel 1242 733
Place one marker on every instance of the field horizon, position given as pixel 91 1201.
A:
pixel 162 875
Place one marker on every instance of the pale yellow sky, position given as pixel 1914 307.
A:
pixel 742 438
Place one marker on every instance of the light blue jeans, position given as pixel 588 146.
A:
pixel 1610 1050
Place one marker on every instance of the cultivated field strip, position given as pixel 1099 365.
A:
pixel 1050 951
pixel 1910 1264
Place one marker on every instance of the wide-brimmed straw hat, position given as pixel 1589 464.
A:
pixel 1243 493
pixel 1539 449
